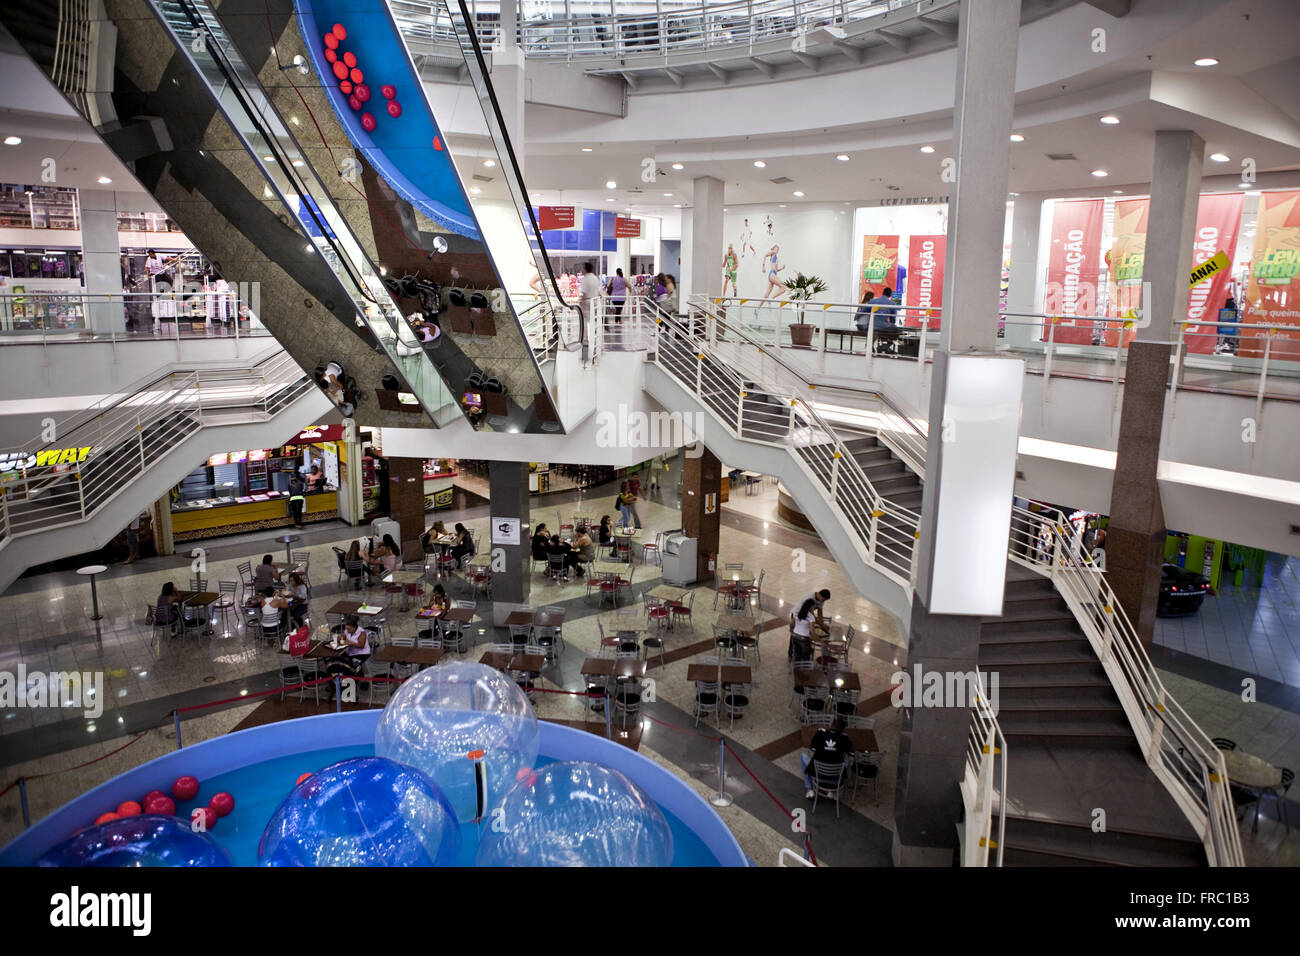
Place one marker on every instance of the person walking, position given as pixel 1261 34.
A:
pixel 623 509
pixel 589 290
pixel 616 289
pixel 633 495
pixel 133 539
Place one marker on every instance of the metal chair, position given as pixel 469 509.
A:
pixel 290 674
pixel 309 668
pixel 723 638
pixel 341 556
pixel 816 700
pixel 754 591
pixel 356 575
pixel 302 564
pixel 548 639
pixel 680 610
pixel 556 568
pixel 866 765
pixel 828 780
pixel 707 698
pixel 245 569
pixel 627 698
pixel 1223 743
pixel 735 696
pixel 375 669
pixel 480 579
pixel 653 549
pixel 1278 793
pixel 198 584
pixel 225 604
pixel 655 641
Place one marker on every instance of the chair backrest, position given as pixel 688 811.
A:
pixel 404 642
pixel 227 587
pixel 507 647
pixel 341 555
pixel 856 720
pixel 472 605
pixel 555 562
pixel 245 569
pixel 622 654
pixel 535 649
pixel 302 559
pixel 690 600
pixel 821 720
pixel 733 662
pixel 355 568
pixel 198 584
pixel 762 573
pixel 849 635
pixel 706 687
pixel 829 775
pixel 801 665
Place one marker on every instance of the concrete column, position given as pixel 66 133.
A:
pixel 406 497
pixel 927 803
pixel 508 78
pixel 1135 539
pixel 701 508
pixel 508 492
pixel 160 514
pixel 101 260
pixel 706 240
pixel 1026 222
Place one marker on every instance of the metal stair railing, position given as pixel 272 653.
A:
pixel 884 533
pixel 1178 752
pixel 986 757
pixel 144 427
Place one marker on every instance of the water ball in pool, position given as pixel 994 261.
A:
pixel 366 811
pixel 461 723
pixel 576 814
pixel 141 840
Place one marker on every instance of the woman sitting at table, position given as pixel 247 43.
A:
pixel 464 545
pixel 385 558
pixel 429 540
pixel 357 647
pixel 165 611
pixel 583 545
pixel 605 534
pixel 272 607
pixel 265 575
pixel 298 591
pixel 561 547
pixel 438 598
pixel 541 542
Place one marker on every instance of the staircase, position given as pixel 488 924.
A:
pixel 1074 750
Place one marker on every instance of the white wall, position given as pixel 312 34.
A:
pixel 813 238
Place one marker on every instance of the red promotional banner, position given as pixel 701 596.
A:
pixel 1217 219
pixel 879 264
pixel 925 257
pixel 625 228
pixel 556 217
pixel 1074 269
pixel 1273 292
pixel 317 433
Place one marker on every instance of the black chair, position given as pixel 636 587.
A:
pixel 1223 743
pixel 456 297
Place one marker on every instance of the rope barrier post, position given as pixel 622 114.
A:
pixel 609 730
pixel 338 695
pixel 22 796
pixel 721 798
pixel 176 715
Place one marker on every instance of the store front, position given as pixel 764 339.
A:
pixel 238 491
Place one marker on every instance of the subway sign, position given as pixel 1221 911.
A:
pixel 49 457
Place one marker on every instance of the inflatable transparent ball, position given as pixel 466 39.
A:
pixel 366 811
pixel 451 719
pixel 576 814
pixel 144 840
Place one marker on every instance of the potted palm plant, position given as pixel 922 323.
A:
pixel 802 288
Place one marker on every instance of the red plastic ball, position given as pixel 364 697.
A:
pixel 331 41
pixel 340 70
pixel 330 55
pixel 302 777
pixel 148 797
pixel 368 122
pixel 161 804
pixel 106 818
pixel 350 59
pixel 185 788
pixel 388 90
pixel 209 818
pixel 437 144
pixel 345 87
pixel 357 76
pixel 363 92
pixel 223 803
pixel 354 102
pixel 339 32
pixel 394 108
pixel 129 808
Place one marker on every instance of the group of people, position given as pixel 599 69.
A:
pixel 581 551
pixel 378 558
pixel 461 546
pixel 617 290
pixel 628 494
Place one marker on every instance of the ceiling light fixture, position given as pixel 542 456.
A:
pixel 298 162
pixel 268 159
pixel 1099 173
pixel 678 166
pixel 1220 157
pixel 759 164
pixel 677 205
pixel 475 190
pixel 609 199
pixel 1118 192
pixel 103 180
pixel 13 140
pixel 927 149
pixel 1207 61
pixel 610 184
pixel 799 193
pixel 1109 120
pixel 843 157
pixel 489 163
pixel 669 194
pixel 1017 138
pixel 586 149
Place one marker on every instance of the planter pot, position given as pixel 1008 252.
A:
pixel 801 334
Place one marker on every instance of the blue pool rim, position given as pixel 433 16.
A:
pixel 237 750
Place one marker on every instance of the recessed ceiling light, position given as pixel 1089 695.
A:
pixel 489 163
pixel 610 184
pixel 1220 157
pixel 586 149
pixel 760 164
pixel 678 166
pixel 1118 192
pixel 294 121
pixel 268 159
pixel 677 205
pixel 1243 185
pixel 1017 138
pixel 103 180
pixel 669 194
pixel 843 157
pixel 308 247
pixel 297 162
pixel 781 205
pixel 1100 173
pixel 13 140
pixel 610 199
pixel 927 149
pixel 799 193
pixel 1013 194
pixel 1109 120
pixel 1207 61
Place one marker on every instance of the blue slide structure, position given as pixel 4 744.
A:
pixel 408 150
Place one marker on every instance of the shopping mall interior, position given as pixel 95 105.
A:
pixel 379 390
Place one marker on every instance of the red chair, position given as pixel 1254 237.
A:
pixel 684 610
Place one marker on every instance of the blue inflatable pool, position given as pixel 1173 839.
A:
pixel 259 767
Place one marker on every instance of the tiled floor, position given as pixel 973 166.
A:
pixel 48 629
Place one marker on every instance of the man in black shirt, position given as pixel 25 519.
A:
pixel 829 746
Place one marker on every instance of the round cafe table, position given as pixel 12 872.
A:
pixel 91 570
pixel 288 541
